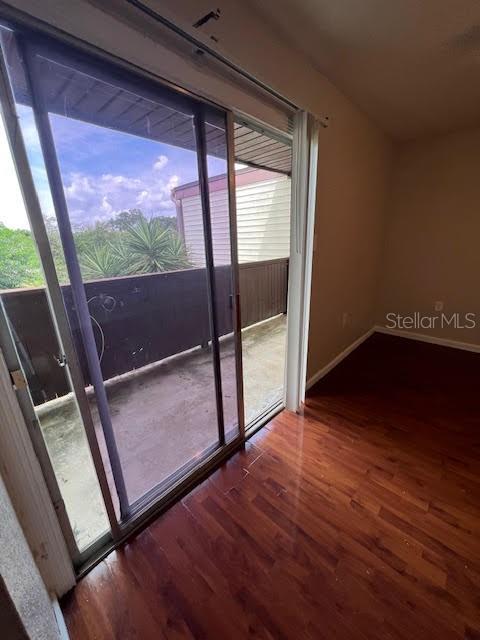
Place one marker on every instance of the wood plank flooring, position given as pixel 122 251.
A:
pixel 359 519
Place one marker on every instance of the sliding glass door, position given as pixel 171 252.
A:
pixel 144 321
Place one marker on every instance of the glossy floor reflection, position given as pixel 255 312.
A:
pixel 359 519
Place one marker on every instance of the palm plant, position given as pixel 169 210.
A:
pixel 152 248
pixel 102 261
pixel 145 246
pixel 177 254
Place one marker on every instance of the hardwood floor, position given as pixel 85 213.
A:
pixel 359 519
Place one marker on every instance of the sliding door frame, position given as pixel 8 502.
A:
pixel 58 315
pixel 201 148
pixel 304 143
pixel 28 52
pixel 253 123
pixel 141 510
pixel 236 301
pixel 298 277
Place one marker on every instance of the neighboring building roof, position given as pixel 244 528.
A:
pixel 219 183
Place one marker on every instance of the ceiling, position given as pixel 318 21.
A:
pixel 412 65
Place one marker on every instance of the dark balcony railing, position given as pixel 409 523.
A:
pixel 139 320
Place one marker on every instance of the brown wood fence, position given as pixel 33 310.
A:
pixel 139 320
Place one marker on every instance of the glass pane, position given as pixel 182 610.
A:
pixel 22 291
pixel 263 227
pixel 122 157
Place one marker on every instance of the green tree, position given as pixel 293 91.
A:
pixel 19 262
pixel 57 249
pixel 167 222
pixel 103 261
pixel 131 217
pixel 132 245
pixel 99 251
pixel 98 235
pixel 143 247
pixel 125 219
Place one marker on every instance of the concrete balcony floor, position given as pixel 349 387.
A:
pixel 164 416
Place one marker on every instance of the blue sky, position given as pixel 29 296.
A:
pixel 105 171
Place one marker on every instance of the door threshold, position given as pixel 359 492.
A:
pixel 174 494
pixel 254 426
pixel 179 491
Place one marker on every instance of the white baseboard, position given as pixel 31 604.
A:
pixel 422 337
pixel 341 356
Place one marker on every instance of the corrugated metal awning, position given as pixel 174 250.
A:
pixel 261 149
pixel 79 90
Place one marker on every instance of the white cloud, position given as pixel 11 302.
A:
pixel 142 197
pixel 90 197
pixel 95 198
pixel 12 212
pixel 80 187
pixel 172 183
pixel 112 182
pixel 106 207
pixel 160 163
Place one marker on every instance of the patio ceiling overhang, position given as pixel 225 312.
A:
pixel 260 149
pixel 86 92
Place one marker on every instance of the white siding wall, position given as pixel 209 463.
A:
pixel 263 221
pixel 193 225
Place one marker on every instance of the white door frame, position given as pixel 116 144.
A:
pixel 304 184
pixel 28 491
